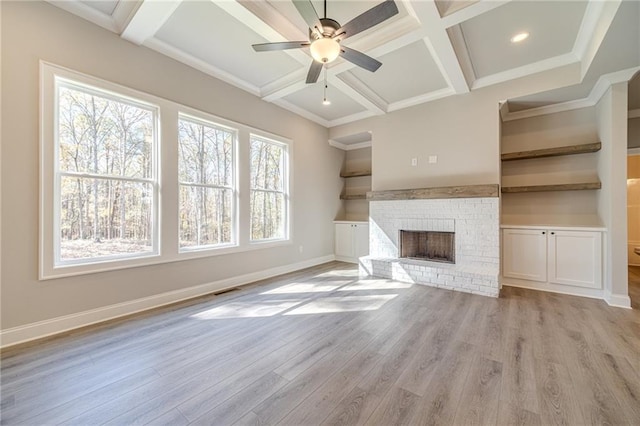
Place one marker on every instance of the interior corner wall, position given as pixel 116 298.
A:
pixel 611 117
pixel 34 31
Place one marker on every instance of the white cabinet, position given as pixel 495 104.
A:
pixel 352 241
pixel 554 257
pixel 575 258
pixel 525 254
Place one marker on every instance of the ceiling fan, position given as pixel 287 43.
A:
pixel 326 36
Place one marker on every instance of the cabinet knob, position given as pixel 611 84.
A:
pixel 553 233
pixel 543 233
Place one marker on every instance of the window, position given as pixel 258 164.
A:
pixel 269 189
pixel 117 192
pixel 207 183
pixel 105 190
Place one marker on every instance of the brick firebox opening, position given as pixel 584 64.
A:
pixel 428 245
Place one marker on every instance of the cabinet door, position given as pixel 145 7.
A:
pixel 575 258
pixel 344 240
pixel 525 254
pixel 361 239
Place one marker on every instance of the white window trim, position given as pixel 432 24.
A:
pixel 167 178
pixel 286 187
pixel 212 121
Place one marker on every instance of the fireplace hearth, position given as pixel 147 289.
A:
pixel 427 245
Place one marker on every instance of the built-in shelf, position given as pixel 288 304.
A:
pixel 355 174
pixel 558 187
pixel 553 152
pixel 353 197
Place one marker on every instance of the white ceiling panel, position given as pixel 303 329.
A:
pixel 310 99
pixel 620 49
pixel 552 25
pixel 407 72
pixel 203 30
pixel 105 6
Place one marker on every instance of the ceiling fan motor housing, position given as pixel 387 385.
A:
pixel 329 28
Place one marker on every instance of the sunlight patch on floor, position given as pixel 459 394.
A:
pixel 265 308
pixel 324 286
pixel 375 285
pixel 342 304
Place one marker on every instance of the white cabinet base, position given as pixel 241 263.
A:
pixel 351 241
pixel 558 260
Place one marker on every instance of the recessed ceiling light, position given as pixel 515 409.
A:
pixel 519 37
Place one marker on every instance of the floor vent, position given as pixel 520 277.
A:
pixel 228 290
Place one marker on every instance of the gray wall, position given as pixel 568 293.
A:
pixel 463 131
pixel 32 31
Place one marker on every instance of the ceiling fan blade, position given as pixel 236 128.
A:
pixel 280 45
pixel 308 13
pixel 368 19
pixel 360 59
pixel 314 72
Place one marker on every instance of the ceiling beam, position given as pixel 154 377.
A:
pixel 267 22
pixel 201 65
pixel 284 86
pixel 471 11
pixel 124 13
pixel 595 24
pixel 441 47
pixel 351 86
pixel 525 70
pixel 148 19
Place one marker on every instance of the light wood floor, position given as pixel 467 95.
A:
pixel 322 347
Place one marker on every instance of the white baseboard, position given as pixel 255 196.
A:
pixel 38 330
pixel 618 300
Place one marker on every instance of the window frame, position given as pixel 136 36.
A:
pixel 52 79
pixel 286 184
pixel 167 180
pixel 208 120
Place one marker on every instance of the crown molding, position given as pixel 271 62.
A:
pixel 88 13
pixel 599 89
pixel 350 147
pixel 180 56
pixel 302 112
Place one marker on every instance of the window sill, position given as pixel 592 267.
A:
pixel 154 259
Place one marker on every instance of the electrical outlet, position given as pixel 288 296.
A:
pixel 414 162
pixel 433 159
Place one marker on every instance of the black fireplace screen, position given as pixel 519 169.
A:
pixel 428 245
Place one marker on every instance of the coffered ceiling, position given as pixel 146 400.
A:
pixel 429 50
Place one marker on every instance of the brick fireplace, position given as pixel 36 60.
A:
pixel 469 225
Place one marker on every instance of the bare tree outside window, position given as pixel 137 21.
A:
pixel 206 174
pixel 105 175
pixel 269 196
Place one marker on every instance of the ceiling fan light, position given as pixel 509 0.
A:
pixel 325 50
